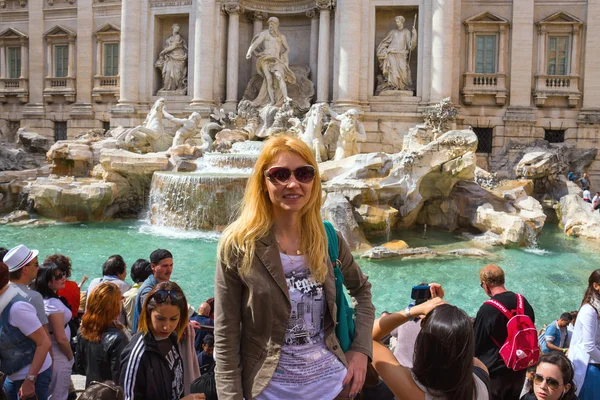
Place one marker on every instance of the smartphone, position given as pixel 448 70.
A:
pixel 420 294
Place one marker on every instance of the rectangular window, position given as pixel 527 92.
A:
pixel 14 62
pixel 111 59
pixel 484 139
pixel 485 51
pixel 558 55
pixel 61 61
pixel 60 130
pixel 554 135
pixel 106 126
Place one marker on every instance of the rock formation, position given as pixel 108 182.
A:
pixel 576 217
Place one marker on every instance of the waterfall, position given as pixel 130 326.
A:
pixel 195 201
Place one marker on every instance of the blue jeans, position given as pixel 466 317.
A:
pixel 11 388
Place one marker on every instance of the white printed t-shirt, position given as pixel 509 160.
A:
pixel 306 368
pixel 22 316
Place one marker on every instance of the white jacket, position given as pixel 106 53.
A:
pixel 585 344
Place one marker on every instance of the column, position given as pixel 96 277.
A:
pixel 502 46
pixel 442 49
pixel 349 66
pixel 50 58
pixel 470 54
pixel 36 53
pixel 71 73
pixel 233 50
pixel 541 68
pixel 24 60
pixel 99 45
pixel 85 66
pixel 522 53
pixel 3 72
pixel 204 54
pixel 574 59
pixel 323 56
pixel 314 43
pixel 129 64
pixel 257 27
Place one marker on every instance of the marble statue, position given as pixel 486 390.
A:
pixel 271 49
pixel 151 135
pixel 393 54
pixel 172 61
pixel 351 130
pixel 313 127
pixel 187 127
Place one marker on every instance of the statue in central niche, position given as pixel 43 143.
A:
pixel 172 61
pixel 393 54
pixel 271 49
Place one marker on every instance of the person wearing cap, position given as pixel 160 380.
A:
pixel 23 267
pixel 24 344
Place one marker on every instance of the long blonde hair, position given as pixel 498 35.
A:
pixel 238 242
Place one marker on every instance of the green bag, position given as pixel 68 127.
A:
pixel 344 329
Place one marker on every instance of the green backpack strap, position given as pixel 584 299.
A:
pixel 344 330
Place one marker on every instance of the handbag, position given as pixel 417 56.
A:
pixel 344 330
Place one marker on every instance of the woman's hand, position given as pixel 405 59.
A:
pixel 436 290
pixel 27 389
pixel 357 369
pixel 425 308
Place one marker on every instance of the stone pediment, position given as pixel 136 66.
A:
pixel 560 18
pixel 59 30
pixel 486 18
pixel 108 28
pixel 12 33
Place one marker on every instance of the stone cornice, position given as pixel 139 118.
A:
pixel 274 6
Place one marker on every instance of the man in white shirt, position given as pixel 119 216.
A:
pixel 596 202
pixel 587 196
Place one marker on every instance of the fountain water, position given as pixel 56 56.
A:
pixel 207 199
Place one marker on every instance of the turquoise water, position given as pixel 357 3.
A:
pixel 552 277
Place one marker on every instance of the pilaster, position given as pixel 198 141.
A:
pixel 82 109
pixel 521 51
pixel 233 56
pixel 442 49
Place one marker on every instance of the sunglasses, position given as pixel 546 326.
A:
pixel 282 175
pixel 161 296
pixel 551 382
pixel 59 276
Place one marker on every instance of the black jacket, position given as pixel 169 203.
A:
pixel 145 373
pixel 99 361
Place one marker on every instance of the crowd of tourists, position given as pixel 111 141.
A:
pixel 279 325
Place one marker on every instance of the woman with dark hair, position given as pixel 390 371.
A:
pixel 101 338
pixel 444 366
pixel 275 292
pixel 24 345
pixel 553 379
pixel 71 290
pixel 584 352
pixel 151 365
pixel 140 271
pixel 49 281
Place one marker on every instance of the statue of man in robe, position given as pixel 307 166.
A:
pixel 393 55
pixel 271 50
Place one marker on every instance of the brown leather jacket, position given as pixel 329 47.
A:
pixel 252 314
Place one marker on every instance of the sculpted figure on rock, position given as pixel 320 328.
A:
pixel 172 61
pixel 151 135
pixel 351 130
pixel 393 55
pixel 187 127
pixel 271 49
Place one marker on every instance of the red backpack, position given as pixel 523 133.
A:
pixel 520 349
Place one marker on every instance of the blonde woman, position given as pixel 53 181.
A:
pixel 275 290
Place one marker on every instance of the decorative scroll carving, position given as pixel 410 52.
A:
pixel 233 9
pixel 313 14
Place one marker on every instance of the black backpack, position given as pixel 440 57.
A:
pixel 206 384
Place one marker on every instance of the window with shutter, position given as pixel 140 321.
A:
pixel 485 54
pixel 558 55
pixel 111 59
pixel 61 61
pixel 14 62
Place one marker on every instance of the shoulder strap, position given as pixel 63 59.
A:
pixel 500 307
pixel 520 305
pixel 483 376
pixel 332 242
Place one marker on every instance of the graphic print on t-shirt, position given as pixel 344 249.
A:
pixel 306 320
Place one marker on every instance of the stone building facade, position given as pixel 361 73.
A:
pixel 519 70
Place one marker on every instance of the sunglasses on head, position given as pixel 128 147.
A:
pixel 59 276
pixel 282 175
pixel 161 296
pixel 551 382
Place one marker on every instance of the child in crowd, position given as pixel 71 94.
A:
pixel 151 365
pixel 205 358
